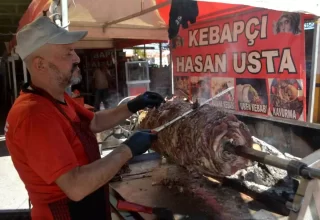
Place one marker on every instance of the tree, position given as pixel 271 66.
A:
pixel 139 52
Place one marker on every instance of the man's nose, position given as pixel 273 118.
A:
pixel 76 58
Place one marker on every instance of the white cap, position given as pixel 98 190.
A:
pixel 43 31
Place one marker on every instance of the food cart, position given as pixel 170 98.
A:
pixel 262 54
pixel 248 48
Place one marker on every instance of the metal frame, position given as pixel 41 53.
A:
pixel 160 51
pixel 314 68
pixel 9 80
pixel 116 70
pixel 276 119
pixel 302 205
pixel 64 24
pixel 171 70
pixel 9 73
pixel 25 72
pixel 137 62
pixel 14 78
pixel 87 73
pixel 12 59
pixel 136 82
pixel 64 14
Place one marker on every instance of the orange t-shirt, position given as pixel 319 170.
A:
pixel 43 146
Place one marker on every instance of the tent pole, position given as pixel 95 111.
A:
pixel 5 85
pixel 9 74
pixel 9 79
pixel 64 24
pixel 64 14
pixel 14 77
pixel 116 68
pixel 171 70
pixel 87 73
pixel 25 77
pixel 314 68
pixel 160 47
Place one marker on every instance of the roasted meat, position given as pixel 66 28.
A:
pixel 246 93
pixel 196 142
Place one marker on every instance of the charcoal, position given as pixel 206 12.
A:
pixel 262 178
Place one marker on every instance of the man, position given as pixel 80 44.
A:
pixel 51 138
pixel 100 77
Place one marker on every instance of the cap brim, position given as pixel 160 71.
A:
pixel 68 37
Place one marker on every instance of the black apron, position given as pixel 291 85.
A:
pixel 96 205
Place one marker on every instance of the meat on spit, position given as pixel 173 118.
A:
pixel 196 141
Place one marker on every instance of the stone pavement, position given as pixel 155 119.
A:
pixel 13 194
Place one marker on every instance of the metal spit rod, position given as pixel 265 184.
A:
pixel 158 129
pixel 293 167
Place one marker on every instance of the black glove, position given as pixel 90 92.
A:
pixel 147 99
pixel 140 141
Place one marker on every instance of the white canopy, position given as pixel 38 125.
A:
pixel 120 19
pixel 110 20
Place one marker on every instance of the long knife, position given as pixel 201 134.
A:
pixel 160 128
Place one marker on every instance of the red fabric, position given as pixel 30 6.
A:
pixel 125 43
pixel 209 10
pixel 206 10
pixel 133 207
pixel 35 9
pixel 43 146
pixel 135 91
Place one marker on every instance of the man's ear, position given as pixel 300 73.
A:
pixel 38 64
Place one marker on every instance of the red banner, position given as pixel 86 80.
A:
pixel 261 54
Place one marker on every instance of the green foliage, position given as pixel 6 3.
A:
pixel 139 52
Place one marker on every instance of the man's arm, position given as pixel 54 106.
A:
pixel 53 159
pixel 109 118
pixel 82 181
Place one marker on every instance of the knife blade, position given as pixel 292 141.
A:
pixel 160 128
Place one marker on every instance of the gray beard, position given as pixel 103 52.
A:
pixel 76 80
pixel 62 81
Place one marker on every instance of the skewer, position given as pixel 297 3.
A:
pixel 293 167
pixel 158 129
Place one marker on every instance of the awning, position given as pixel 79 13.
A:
pixel 130 21
pixel 212 8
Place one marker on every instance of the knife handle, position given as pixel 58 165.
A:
pixel 154 132
pixel 129 206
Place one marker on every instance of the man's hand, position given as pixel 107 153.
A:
pixel 140 141
pixel 147 99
